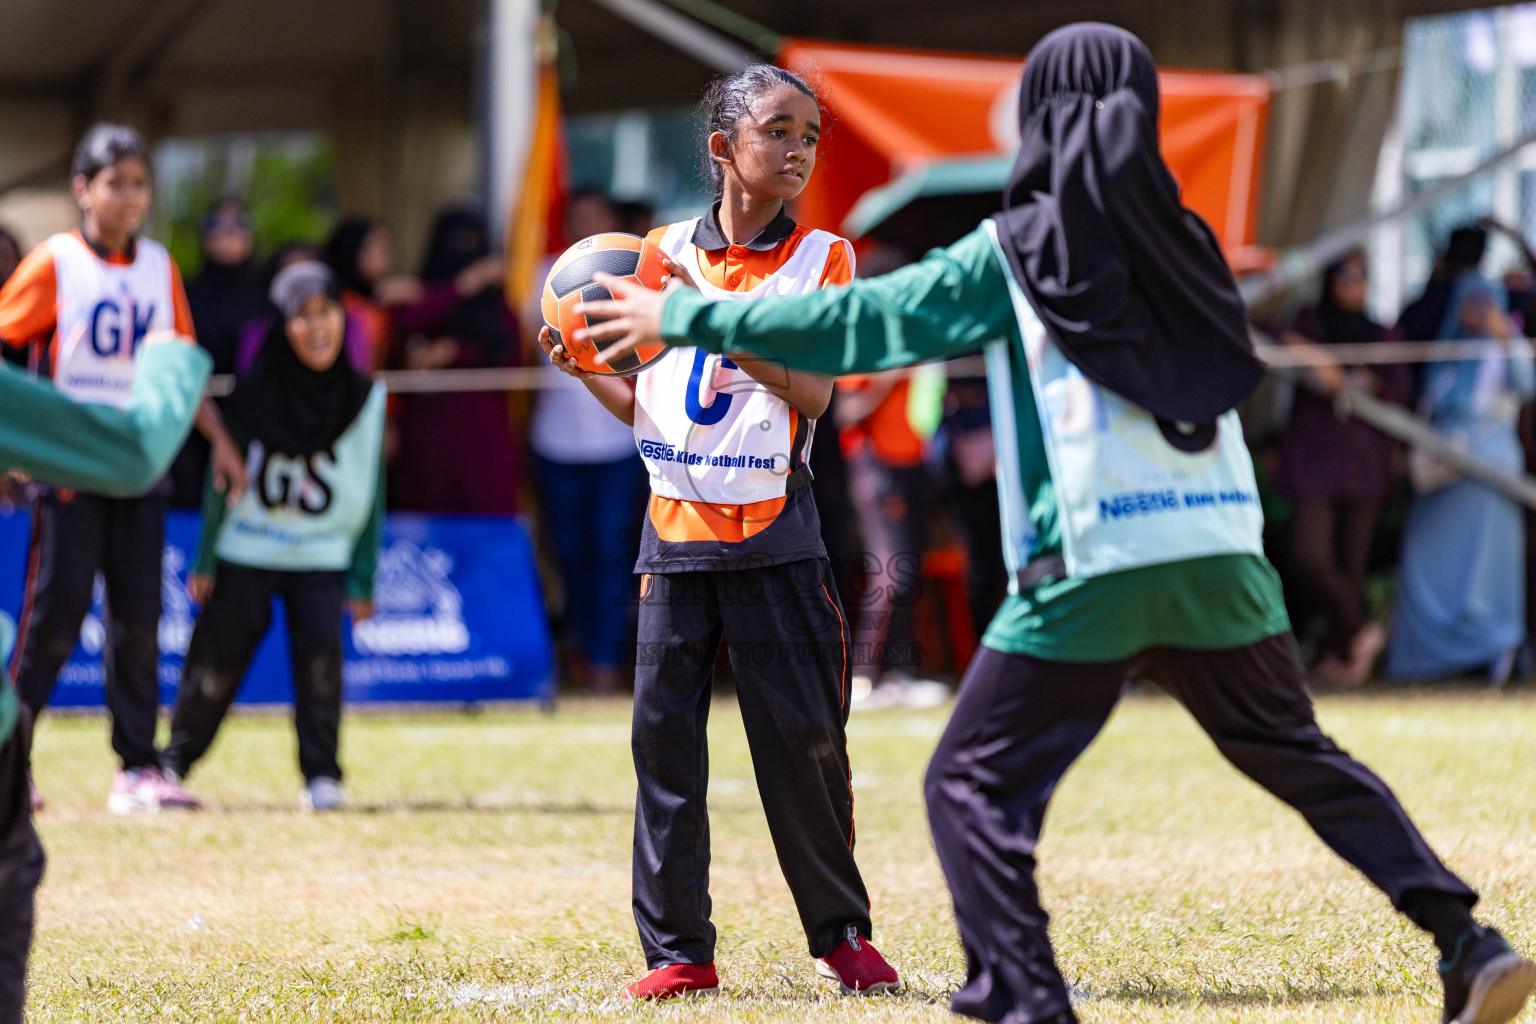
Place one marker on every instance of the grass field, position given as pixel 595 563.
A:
pixel 484 874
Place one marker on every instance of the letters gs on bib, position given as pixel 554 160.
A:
pixel 303 483
pixel 111 319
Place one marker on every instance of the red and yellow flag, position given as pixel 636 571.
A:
pixel 534 228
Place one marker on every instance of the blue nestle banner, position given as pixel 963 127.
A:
pixel 460 618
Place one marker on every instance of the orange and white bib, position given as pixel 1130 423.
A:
pixel 706 430
pixel 105 310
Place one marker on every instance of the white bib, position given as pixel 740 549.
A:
pixel 306 513
pixel 706 430
pixel 1128 492
pixel 104 312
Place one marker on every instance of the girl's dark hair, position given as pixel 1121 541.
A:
pixel 729 99
pixel 103 146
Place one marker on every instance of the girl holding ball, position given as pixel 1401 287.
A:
pixel 731 549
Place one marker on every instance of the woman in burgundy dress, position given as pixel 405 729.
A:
pixel 456 451
pixel 1337 471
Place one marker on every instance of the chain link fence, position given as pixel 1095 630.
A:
pixel 1468 89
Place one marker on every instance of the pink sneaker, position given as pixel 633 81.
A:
pixel 35 793
pixel 147 790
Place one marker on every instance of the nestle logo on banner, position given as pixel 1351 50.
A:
pixel 417 609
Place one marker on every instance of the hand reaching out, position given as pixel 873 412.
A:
pixel 630 319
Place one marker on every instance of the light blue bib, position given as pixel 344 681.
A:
pixel 306 513
pixel 1130 491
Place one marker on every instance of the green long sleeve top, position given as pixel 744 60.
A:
pixel 95 447
pixel 952 302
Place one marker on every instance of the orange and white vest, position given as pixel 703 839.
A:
pixel 706 430
pixel 104 312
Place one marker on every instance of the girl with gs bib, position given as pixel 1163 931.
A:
pixel 306 529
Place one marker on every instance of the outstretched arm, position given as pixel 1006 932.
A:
pixel 95 447
pixel 950 302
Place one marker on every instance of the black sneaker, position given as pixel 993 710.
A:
pixel 1486 982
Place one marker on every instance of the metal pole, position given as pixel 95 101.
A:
pixel 1299 264
pixel 511 86
pixel 703 45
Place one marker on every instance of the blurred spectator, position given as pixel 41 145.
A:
pixel 1337 472
pixel 889 487
pixel 1421 319
pixel 636 216
pixel 971 463
pixel 224 296
pixel 361 253
pixel 1461 594
pixel 593 486
pixel 456 450
pixel 10 255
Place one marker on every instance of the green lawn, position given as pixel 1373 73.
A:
pixel 484 874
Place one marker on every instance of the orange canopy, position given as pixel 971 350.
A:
pixel 893 111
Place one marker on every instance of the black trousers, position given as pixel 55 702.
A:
pixel 788 641
pixel 73 540
pixel 21 869
pixel 1020 723
pixel 224 642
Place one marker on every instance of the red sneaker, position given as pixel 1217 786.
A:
pixel 858 968
pixel 675 980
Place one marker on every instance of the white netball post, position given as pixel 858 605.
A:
pixel 512 69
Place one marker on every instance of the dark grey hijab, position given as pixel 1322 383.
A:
pixel 1130 283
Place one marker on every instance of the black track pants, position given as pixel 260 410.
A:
pixel 122 538
pixel 1020 723
pixel 787 638
pixel 21 869
pixel 224 642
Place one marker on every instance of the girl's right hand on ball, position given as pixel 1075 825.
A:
pixel 560 358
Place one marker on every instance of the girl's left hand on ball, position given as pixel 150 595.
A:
pixel 632 316
pixel 560 358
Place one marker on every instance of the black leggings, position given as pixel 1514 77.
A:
pixel 224 642
pixel 1021 722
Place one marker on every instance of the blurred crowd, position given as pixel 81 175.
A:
pixel 1392 563
pixel 1392 560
